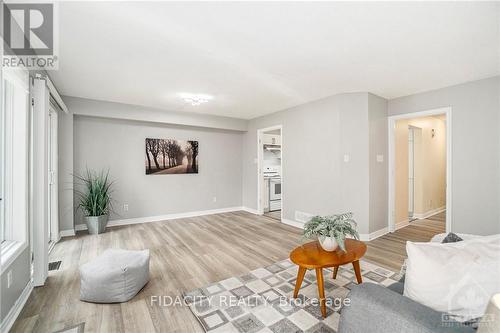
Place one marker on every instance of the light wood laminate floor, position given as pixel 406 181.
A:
pixel 185 254
pixel 390 250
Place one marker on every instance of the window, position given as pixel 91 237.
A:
pixel 14 166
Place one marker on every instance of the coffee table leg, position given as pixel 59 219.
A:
pixel 357 270
pixel 321 291
pixel 335 271
pixel 298 282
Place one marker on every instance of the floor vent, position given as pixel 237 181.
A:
pixel 54 266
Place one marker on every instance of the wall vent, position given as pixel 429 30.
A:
pixel 303 217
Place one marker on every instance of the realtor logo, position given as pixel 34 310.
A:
pixel 29 35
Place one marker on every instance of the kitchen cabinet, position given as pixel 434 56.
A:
pixel 271 139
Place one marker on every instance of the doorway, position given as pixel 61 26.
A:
pixel 269 182
pixel 420 170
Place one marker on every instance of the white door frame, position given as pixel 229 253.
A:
pixel 260 158
pixel 392 152
pixel 40 202
pixel 53 177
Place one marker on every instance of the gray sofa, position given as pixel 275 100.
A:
pixel 377 309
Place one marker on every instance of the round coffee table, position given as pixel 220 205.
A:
pixel 312 256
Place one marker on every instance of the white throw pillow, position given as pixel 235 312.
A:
pixel 457 278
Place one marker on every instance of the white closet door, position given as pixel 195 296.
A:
pixel 411 172
pixel 53 220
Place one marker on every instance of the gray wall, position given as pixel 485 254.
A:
pixel 316 136
pixel 20 277
pixel 120 144
pixel 475 151
pixel 378 145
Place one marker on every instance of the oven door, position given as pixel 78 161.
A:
pixel 274 189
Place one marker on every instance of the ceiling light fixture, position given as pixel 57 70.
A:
pixel 195 99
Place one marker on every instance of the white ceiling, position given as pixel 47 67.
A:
pixel 257 58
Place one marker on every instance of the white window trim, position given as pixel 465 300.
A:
pixel 10 251
pixel 15 241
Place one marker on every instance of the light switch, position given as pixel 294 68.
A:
pixel 347 158
pixel 380 158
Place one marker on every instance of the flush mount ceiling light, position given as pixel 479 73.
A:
pixel 195 99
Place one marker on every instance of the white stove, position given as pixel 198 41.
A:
pixel 272 171
pixel 272 174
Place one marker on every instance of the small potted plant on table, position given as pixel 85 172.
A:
pixel 95 200
pixel 331 231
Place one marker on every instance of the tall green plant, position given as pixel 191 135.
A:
pixel 337 226
pixel 95 199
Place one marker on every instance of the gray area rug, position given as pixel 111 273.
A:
pixel 262 300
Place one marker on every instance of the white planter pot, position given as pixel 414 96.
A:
pixel 328 243
pixel 96 224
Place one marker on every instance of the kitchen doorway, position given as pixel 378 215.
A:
pixel 270 172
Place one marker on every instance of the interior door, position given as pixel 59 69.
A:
pixel 53 202
pixel 2 162
pixel 411 172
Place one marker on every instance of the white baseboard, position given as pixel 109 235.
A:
pixel 67 233
pixel 251 210
pixel 80 227
pixel 157 218
pixel 379 233
pixel 402 224
pixel 364 237
pixel 52 244
pixel 423 216
pixel 430 213
pixel 16 308
pixel 374 235
pixel 293 223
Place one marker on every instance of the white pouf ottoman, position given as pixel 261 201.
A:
pixel 115 276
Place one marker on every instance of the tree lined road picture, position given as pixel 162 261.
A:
pixel 165 156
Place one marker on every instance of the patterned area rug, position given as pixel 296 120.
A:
pixel 262 300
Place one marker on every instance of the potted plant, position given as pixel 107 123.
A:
pixel 331 231
pixel 95 200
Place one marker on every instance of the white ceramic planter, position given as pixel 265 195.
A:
pixel 328 243
pixel 96 224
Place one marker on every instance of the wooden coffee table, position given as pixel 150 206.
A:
pixel 312 256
